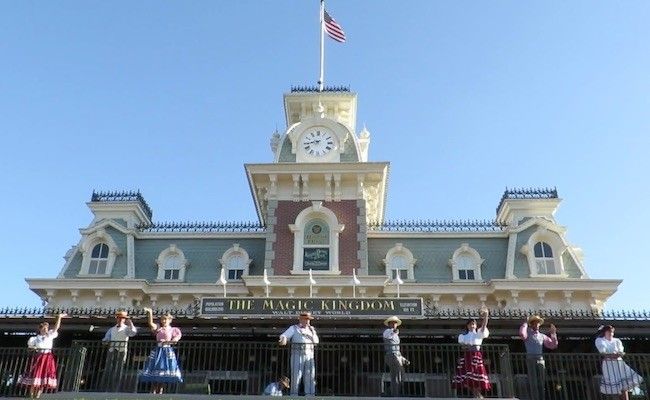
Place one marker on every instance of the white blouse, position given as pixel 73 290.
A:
pixel 473 338
pixel 613 346
pixel 43 342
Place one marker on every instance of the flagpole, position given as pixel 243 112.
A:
pixel 321 79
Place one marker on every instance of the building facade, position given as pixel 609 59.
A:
pixel 321 233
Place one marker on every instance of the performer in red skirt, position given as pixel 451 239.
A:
pixel 41 372
pixel 470 371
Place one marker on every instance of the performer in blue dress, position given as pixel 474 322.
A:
pixel 162 365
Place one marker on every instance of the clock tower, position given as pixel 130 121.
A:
pixel 318 196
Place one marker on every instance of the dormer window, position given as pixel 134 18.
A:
pixel 544 251
pixel 465 268
pixel 171 264
pixel 99 252
pixel 399 261
pixel 172 267
pixel 98 259
pixel 544 258
pixel 466 264
pixel 236 262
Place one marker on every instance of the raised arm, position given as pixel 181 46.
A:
pixel 57 324
pixel 523 331
pixel 486 316
pixel 150 322
pixel 550 340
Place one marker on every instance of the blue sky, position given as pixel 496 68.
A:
pixel 173 97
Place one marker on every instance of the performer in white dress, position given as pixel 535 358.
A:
pixel 618 378
pixel 470 371
pixel 41 373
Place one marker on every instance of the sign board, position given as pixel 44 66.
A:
pixel 319 307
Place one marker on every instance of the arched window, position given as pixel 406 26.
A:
pixel 236 262
pixel 544 250
pixel 99 252
pixel 466 264
pixel 98 259
pixel 316 240
pixel 316 246
pixel 544 260
pixel 399 261
pixel 172 267
pixel 466 267
pixel 171 264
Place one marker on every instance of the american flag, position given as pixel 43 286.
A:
pixel 333 29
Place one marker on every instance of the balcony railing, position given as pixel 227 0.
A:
pixel 342 369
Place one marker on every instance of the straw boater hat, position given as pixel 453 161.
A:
pixel 285 381
pixel 536 318
pixel 393 319
pixel 305 314
pixel 121 314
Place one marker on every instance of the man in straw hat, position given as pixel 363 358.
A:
pixel 275 388
pixel 392 354
pixel 116 338
pixel 303 337
pixel 535 341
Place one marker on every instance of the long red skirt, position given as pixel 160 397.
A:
pixel 471 373
pixel 41 372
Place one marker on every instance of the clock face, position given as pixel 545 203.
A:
pixel 318 142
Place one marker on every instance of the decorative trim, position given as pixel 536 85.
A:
pixel 527 194
pixel 121 196
pixel 436 226
pixel 190 227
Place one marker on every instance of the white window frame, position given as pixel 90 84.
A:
pixel 545 259
pixel 390 262
pixel 233 251
pixel 95 262
pixel 557 247
pixel 316 211
pixel 98 237
pixel 475 259
pixel 171 251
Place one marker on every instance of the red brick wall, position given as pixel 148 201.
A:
pixel 346 211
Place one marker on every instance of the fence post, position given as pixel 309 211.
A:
pixel 79 361
pixel 506 371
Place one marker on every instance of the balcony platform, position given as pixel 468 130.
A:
pixel 174 396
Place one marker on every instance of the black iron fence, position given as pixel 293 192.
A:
pixel 15 364
pixel 341 369
pixel 563 376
